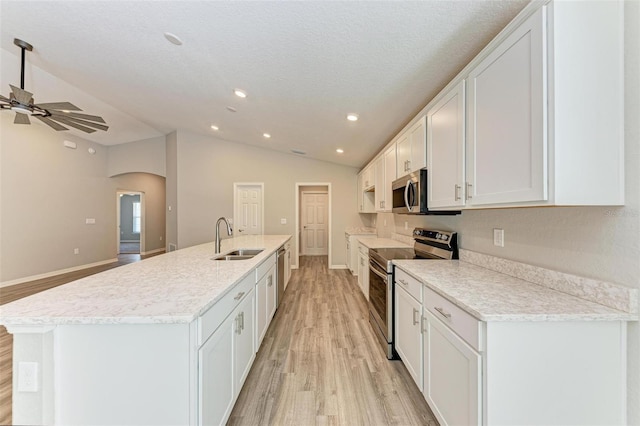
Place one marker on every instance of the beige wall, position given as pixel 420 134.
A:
pixel 172 189
pixel 153 187
pixel 595 242
pixel 147 156
pixel 47 192
pixel 208 167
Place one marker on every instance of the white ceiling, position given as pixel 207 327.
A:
pixel 304 65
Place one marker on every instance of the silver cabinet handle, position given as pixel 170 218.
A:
pixel 424 324
pixel 239 296
pixel 408 165
pixel 242 320
pixel 442 312
pixel 416 321
pixel 269 280
pixel 457 192
pixel 468 191
pixel 403 282
pixel 237 321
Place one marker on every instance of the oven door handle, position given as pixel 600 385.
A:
pixel 378 273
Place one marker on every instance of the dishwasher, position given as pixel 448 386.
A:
pixel 280 275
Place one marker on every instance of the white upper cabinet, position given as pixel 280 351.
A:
pixel 507 138
pixel 380 180
pixel 544 115
pixel 445 150
pixel 385 167
pixel 411 149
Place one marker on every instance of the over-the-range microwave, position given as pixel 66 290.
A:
pixel 410 195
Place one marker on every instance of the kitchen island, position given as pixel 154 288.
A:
pixel 168 340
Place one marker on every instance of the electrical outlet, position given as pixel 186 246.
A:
pixel 283 221
pixel 498 237
pixel 160 237
pixel 385 223
pixel 76 251
pixel 90 221
pixel 27 377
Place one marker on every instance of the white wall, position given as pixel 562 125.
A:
pixel 208 167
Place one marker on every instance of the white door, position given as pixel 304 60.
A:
pixel 314 223
pixel 408 333
pixel 248 212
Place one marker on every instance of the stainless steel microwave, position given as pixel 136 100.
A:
pixel 410 195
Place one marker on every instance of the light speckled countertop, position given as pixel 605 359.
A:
pixel 493 296
pixel 375 242
pixel 360 230
pixel 174 287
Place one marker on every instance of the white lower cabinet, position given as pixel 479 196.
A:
pixel 452 374
pixel 266 294
pixel 224 361
pixel 363 269
pixel 408 337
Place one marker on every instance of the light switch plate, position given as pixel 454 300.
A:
pixel 283 221
pixel 27 377
pixel 498 237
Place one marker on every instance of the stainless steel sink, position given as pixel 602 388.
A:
pixel 238 254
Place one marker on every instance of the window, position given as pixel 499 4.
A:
pixel 137 217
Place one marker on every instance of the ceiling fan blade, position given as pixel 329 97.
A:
pixel 59 105
pixel 80 116
pixel 21 95
pixel 69 120
pixel 73 124
pixel 51 123
pixel 21 119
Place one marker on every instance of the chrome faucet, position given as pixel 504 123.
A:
pixel 222 219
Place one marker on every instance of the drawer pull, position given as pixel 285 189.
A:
pixel 269 280
pixel 239 296
pixel 442 312
pixel 416 321
pixel 403 282
pixel 424 325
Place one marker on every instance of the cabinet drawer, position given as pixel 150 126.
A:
pixel 462 323
pixel 410 284
pixel 214 317
pixel 363 249
pixel 264 267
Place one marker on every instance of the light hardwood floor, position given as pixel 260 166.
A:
pixel 18 291
pixel 321 364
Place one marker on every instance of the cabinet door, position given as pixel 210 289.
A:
pixel 359 193
pixel 380 180
pixel 287 264
pixel 445 150
pixel 507 126
pixel 215 376
pixel 261 310
pixel 418 137
pixel 365 275
pixel 272 294
pixel 403 155
pixel 361 267
pixel 408 335
pixel 389 177
pixel 452 375
pixel 244 349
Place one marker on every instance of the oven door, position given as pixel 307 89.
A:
pixel 380 305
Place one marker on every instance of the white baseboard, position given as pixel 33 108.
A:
pixel 338 267
pixel 130 241
pixel 54 273
pixel 144 253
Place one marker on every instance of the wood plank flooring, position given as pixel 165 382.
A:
pixel 320 363
pixel 18 291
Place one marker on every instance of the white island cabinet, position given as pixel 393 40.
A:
pixel 492 349
pixel 166 341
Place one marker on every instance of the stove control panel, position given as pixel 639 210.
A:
pixel 443 237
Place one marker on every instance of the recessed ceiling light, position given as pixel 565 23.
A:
pixel 339 150
pixel 232 109
pixel 214 127
pixel 352 117
pixel 266 135
pixel 173 38
pixel 240 93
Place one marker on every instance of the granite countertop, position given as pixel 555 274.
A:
pixel 492 296
pixel 360 230
pixel 175 287
pixel 382 243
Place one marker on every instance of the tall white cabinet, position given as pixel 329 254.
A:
pixel 445 150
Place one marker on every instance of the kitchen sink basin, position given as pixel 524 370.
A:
pixel 238 254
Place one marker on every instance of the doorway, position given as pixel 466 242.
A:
pixel 248 209
pixel 130 226
pixel 313 220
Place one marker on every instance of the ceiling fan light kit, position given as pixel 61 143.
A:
pixel 56 115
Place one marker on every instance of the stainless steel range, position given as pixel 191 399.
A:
pixel 429 244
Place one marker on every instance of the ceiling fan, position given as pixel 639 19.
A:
pixel 53 114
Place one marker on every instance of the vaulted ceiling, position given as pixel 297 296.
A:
pixel 304 66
